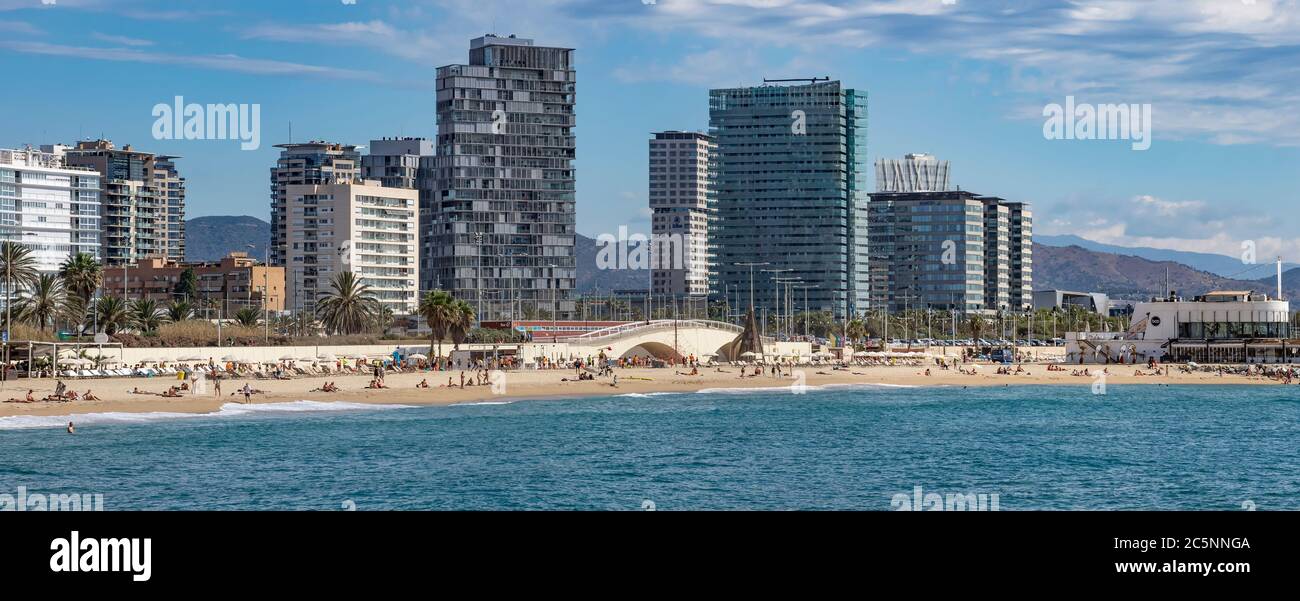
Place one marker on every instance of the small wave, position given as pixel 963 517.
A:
pixel 870 385
pixel 804 388
pixel 755 389
pixel 29 422
pixel 644 395
pixel 477 403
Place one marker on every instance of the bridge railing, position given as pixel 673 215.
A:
pixel 658 324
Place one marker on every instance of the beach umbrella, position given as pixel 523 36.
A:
pixel 417 357
pixel 288 358
pixel 232 359
pixel 326 357
pixel 308 359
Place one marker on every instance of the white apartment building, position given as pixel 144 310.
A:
pixel 47 206
pixel 360 227
pixel 681 202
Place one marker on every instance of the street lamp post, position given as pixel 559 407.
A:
pixel 776 289
pixel 478 277
pixel 751 267
pixel 552 282
pixel 784 286
pixel 266 290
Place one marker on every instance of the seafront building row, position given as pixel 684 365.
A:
pixel 776 194
pixel 770 205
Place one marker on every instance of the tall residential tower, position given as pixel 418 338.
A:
pixel 498 230
pixel 141 201
pixel 681 202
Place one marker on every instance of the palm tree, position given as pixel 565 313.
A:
pixel 462 319
pixel 247 317
pixel 146 315
pixel 857 329
pixel 437 309
pixel 384 318
pixel 112 314
pixel 350 307
pixel 76 311
pixel 17 269
pixel 82 276
pixel 180 311
pixel 977 326
pixel 42 303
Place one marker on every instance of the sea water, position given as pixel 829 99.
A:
pixel 851 448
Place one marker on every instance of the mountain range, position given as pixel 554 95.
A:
pixel 211 238
pixel 1063 262
pixel 1221 265
pixel 1132 277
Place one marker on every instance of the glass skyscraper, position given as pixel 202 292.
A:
pixel 791 196
pixel 950 250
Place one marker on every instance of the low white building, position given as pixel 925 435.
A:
pixel 1219 327
pixel 363 228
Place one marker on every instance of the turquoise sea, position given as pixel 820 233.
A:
pixel 1138 447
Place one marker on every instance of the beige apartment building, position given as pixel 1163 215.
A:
pixel 360 227
pixel 224 287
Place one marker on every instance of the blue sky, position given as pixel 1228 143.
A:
pixel 965 80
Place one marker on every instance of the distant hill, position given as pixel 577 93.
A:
pixel 591 280
pixel 1221 265
pixel 1132 277
pixel 211 238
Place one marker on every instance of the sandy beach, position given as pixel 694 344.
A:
pixel 116 393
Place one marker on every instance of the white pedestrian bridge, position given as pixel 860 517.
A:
pixel 659 338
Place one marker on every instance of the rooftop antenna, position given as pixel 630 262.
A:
pixel 1167 283
pixel 291 131
pixel 807 79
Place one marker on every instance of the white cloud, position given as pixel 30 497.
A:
pixel 1221 70
pixel 19 27
pixel 375 34
pixel 121 40
pixel 223 62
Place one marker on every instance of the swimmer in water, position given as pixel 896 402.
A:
pixel 71 428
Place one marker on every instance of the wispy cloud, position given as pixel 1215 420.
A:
pixel 374 34
pixel 20 27
pixel 223 62
pixel 121 40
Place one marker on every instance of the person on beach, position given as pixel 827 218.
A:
pixel 216 384
pixel 423 384
pixel 248 394
pixel 89 396
pixel 462 379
